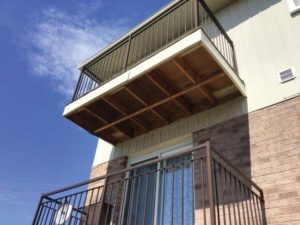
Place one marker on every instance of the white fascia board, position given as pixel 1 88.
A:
pixel 212 50
pixel 175 49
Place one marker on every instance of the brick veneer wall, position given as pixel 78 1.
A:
pixel 113 193
pixel 266 145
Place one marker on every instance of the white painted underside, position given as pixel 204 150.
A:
pixel 197 37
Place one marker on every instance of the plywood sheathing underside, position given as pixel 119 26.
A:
pixel 187 84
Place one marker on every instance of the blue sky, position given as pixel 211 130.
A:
pixel 41 44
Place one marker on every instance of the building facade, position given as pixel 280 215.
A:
pixel 198 114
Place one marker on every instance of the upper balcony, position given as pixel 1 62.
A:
pixel 177 63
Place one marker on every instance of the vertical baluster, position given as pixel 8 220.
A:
pixel 56 207
pixel 52 214
pixel 145 198
pixel 75 95
pixel 95 205
pixel 203 190
pixel 109 203
pixel 246 202
pixel 259 209
pixel 45 209
pixel 232 199
pixel 227 199
pixel 49 209
pixel 242 200
pixel 255 209
pixel 172 204
pixel 72 203
pixel 37 212
pixel 237 199
pixel 131 200
pixel 151 37
pixel 89 207
pixel 222 197
pixel 62 216
pixel 173 26
pixel 168 27
pixel 78 207
pixel 216 191
pixel 210 185
pixel 163 196
pixel 137 200
pixel 192 161
pixel 196 13
pixel 115 202
pixel 182 193
pixel 123 202
pixel 251 208
pixel 153 202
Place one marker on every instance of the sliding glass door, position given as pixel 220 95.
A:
pixel 175 198
pixel 161 194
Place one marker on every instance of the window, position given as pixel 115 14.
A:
pixel 161 193
pixel 294 6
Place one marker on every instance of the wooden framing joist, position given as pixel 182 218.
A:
pixel 171 97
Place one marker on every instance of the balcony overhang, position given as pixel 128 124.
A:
pixel 185 78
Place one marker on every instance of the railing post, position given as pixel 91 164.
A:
pixel 196 13
pixel 210 184
pixel 262 208
pixel 102 199
pixel 127 52
pixel 77 86
pixel 37 214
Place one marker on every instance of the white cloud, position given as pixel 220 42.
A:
pixel 60 41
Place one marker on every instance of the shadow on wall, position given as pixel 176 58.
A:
pixel 243 10
pixel 234 200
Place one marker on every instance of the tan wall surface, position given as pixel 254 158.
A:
pixel 266 39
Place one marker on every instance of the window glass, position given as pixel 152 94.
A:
pixel 175 204
pixel 160 193
pixel 140 198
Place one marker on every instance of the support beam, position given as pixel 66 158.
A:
pixel 135 93
pixel 211 78
pixel 123 110
pixel 126 132
pixel 187 71
pixel 156 78
pixel 181 64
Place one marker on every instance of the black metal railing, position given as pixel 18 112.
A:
pixel 169 26
pixel 197 186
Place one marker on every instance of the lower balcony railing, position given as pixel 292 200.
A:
pixel 198 186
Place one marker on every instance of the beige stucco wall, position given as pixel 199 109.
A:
pixel 267 40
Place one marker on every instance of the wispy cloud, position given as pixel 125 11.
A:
pixel 59 41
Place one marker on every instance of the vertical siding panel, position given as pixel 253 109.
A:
pixel 202 120
pixel 182 127
pixel 173 130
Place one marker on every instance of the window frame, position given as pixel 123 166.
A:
pixel 168 151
